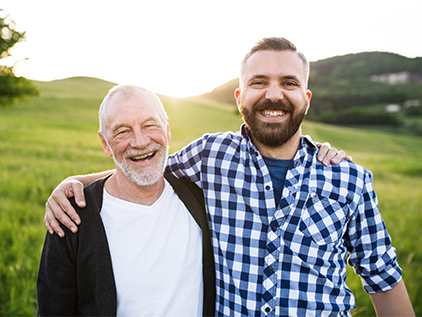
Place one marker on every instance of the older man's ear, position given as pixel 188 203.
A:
pixel 105 145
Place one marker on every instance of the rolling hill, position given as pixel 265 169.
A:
pixel 74 87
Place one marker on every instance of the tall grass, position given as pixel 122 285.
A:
pixel 49 138
pixel 40 142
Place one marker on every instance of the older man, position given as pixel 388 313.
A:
pixel 143 248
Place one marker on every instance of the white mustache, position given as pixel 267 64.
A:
pixel 148 149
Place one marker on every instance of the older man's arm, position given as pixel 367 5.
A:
pixel 329 155
pixel 58 207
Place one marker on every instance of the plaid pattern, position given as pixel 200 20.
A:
pixel 287 260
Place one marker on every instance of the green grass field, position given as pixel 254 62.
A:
pixel 44 140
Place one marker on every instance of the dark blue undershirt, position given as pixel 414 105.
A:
pixel 278 170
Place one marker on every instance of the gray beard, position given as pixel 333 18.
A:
pixel 146 176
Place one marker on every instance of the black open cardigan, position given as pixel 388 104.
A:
pixel 76 275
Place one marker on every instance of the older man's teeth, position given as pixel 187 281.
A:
pixel 273 113
pixel 142 157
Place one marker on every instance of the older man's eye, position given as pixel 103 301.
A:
pixel 121 132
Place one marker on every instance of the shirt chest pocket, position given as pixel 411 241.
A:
pixel 323 219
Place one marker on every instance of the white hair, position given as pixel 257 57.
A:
pixel 125 90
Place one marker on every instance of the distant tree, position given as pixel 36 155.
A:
pixel 12 88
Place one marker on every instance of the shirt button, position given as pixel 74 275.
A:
pixel 268 309
pixel 274 228
pixel 268 187
pixel 270 269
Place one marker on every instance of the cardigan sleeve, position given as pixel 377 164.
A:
pixel 56 283
pixel 76 275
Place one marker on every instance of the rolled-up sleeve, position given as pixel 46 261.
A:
pixel 371 253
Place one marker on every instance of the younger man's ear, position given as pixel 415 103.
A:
pixel 237 96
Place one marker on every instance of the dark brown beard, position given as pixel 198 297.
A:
pixel 273 134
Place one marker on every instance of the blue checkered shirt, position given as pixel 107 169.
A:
pixel 290 259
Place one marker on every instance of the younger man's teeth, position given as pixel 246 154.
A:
pixel 273 113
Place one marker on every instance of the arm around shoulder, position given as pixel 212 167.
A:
pixel 90 178
pixel 58 208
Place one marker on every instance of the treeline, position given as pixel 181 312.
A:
pixel 356 88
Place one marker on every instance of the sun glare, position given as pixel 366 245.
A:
pixel 186 48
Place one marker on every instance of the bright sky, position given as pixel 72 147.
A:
pixel 187 47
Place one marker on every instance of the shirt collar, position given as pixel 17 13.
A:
pixel 249 145
pixel 306 149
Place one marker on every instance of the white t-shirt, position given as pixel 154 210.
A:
pixel 156 252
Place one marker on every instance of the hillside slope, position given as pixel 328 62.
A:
pixel 74 88
pixel 366 64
